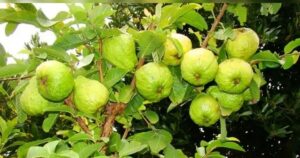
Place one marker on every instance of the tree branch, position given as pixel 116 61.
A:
pixel 214 25
pixel 16 78
pixel 79 120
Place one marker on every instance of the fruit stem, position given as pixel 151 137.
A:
pixel 223 128
pixel 214 25
pixel 140 64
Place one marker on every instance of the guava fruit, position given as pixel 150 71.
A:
pixel 199 66
pixel 55 80
pixel 154 81
pixel 120 51
pixel 171 55
pixel 247 95
pixel 89 95
pixel 244 45
pixel 31 100
pixel 228 102
pixel 204 110
pixel 234 75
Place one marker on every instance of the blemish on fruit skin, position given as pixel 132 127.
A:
pixel 236 81
pixel 197 76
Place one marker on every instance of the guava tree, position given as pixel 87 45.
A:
pixel 114 79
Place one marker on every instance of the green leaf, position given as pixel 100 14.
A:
pixel 88 150
pixel 2 56
pixel 68 154
pixel 240 11
pixel 208 6
pixel 79 137
pixel 26 6
pixel 222 34
pixel 53 53
pixel 254 89
pixel 126 94
pixel 134 104
pixel 20 16
pixel 78 12
pixel 114 142
pixel 10 28
pixel 128 148
pixel 232 145
pixel 22 150
pixel 98 14
pixel 149 41
pixel 157 140
pixel 85 61
pixel 171 152
pixel 212 145
pixel 12 70
pixel 151 116
pixel 113 76
pixel 291 46
pixel 60 108
pixel 37 152
pixel 194 19
pixel 51 146
pixel 265 56
pixel 288 61
pixel 269 8
pixel 45 22
pixel 70 40
pixel 49 122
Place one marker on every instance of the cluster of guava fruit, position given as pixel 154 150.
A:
pixel 54 82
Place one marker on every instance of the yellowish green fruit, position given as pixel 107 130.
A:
pixel 199 66
pixel 171 55
pixel 89 95
pixel 120 51
pixel 244 45
pixel 228 102
pixel 31 101
pixel 55 80
pixel 204 110
pixel 234 75
pixel 247 95
pixel 154 81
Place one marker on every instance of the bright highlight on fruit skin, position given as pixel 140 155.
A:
pixel 204 110
pixel 154 81
pixel 199 66
pixel 120 51
pixel 234 75
pixel 89 95
pixel 55 80
pixel 171 54
pixel 244 45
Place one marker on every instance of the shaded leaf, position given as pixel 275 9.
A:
pixel 128 148
pixel 2 56
pixel 85 61
pixel 88 150
pixel 49 122
pixel 194 19
pixel 171 152
pixel 10 28
pixel 288 48
pixel 113 76
pixel 37 152
pixel 12 69
pixel 53 53
pixel 151 116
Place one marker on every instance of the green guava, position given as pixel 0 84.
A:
pixel 199 66
pixel 120 51
pixel 55 80
pixel 31 100
pixel 228 102
pixel 171 55
pixel 247 95
pixel 234 75
pixel 154 81
pixel 204 110
pixel 89 95
pixel 244 45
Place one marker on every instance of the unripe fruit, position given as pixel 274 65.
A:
pixel 244 45
pixel 89 95
pixel 199 66
pixel 228 102
pixel 154 81
pixel 31 100
pixel 234 75
pixel 204 110
pixel 120 51
pixel 171 55
pixel 55 80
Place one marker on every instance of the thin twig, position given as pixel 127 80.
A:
pixel 16 78
pixel 125 134
pixel 79 120
pixel 140 64
pixel 99 62
pixel 214 25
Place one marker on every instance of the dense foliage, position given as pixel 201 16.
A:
pixel 94 101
